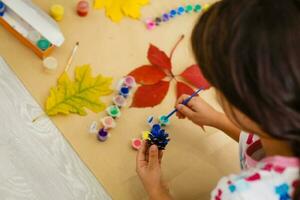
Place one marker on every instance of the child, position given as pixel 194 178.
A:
pixel 249 50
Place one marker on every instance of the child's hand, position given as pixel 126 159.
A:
pixel 198 111
pixel 148 167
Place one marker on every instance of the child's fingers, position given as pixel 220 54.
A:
pixel 186 111
pixel 153 156
pixel 141 155
pixel 181 99
pixel 160 156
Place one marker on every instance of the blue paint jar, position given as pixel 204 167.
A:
pixel 2 8
pixel 180 10
pixel 173 13
pixel 124 91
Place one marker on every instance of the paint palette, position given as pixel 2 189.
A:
pixel 31 26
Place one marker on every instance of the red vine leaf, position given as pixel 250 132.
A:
pixel 183 88
pixel 147 75
pixel 150 95
pixel 194 76
pixel 159 58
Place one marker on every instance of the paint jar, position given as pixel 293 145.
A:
pixel 50 64
pixel 2 8
pixel 188 8
pixel 82 8
pixel 34 36
pixel 113 111
pixel 163 120
pixel 119 101
pixel 57 12
pixel 129 81
pixel 206 6
pixel 93 127
pixel 43 44
pixel 124 91
pixel 150 24
pixel 102 135
pixel 108 122
pixel 136 143
pixel 198 8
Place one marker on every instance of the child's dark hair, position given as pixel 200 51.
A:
pixel 250 51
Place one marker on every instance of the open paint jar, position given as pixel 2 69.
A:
pixel 108 122
pixel 113 111
pixel 163 120
pixel 119 101
pixel 102 135
pixel 129 81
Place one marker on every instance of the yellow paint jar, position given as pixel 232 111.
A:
pixel 57 12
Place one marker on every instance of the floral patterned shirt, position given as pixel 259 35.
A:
pixel 261 177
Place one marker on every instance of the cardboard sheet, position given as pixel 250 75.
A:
pixel 194 160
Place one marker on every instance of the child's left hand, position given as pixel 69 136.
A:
pixel 148 167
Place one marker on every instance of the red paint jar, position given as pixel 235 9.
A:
pixel 82 8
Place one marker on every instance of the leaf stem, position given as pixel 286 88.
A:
pixel 39 117
pixel 174 48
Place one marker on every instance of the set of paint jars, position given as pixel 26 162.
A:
pixel 113 111
pixel 172 14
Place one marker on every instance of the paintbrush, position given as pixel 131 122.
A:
pixel 185 102
pixel 72 56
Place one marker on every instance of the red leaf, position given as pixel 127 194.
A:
pixel 147 75
pixel 194 76
pixel 183 88
pixel 150 95
pixel 159 58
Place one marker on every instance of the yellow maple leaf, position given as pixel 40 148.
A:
pixel 117 9
pixel 74 96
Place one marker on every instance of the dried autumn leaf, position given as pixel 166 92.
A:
pixel 150 95
pixel 117 9
pixel 183 88
pixel 194 76
pixel 159 58
pixel 147 75
pixel 74 96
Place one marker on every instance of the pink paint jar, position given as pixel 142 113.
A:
pixel 82 8
pixel 119 101
pixel 129 81
pixel 108 122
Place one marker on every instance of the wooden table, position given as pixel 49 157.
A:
pixel 194 160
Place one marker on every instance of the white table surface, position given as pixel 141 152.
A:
pixel 36 162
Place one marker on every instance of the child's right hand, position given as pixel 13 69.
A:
pixel 198 111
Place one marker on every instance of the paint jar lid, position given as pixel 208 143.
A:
pixel 43 44
pixel 50 63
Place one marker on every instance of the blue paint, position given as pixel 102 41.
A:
pixel 173 13
pixel 180 10
pixel 124 91
pixel 165 17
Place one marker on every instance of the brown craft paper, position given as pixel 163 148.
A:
pixel 194 160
